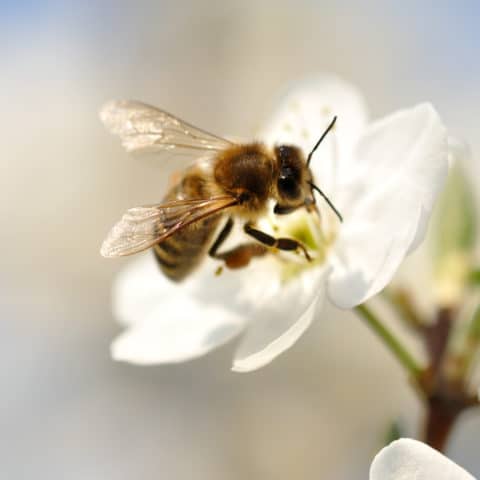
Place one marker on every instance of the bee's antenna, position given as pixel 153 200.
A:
pixel 332 123
pixel 330 204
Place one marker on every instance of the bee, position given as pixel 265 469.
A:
pixel 228 181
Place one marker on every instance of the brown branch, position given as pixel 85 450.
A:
pixel 446 396
pixel 436 339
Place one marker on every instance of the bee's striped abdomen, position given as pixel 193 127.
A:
pixel 179 254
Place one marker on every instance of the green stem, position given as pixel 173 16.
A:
pixel 390 340
pixel 403 304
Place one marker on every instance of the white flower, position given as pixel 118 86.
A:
pixel 407 459
pixel 437 274
pixel 383 177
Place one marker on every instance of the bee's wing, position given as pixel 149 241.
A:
pixel 143 128
pixel 142 227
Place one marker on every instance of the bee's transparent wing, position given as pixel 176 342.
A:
pixel 142 227
pixel 143 128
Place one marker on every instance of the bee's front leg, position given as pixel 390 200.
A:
pixel 287 244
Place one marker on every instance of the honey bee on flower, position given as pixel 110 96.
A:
pixel 380 178
pixel 229 180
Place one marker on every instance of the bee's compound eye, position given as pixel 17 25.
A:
pixel 288 186
pixel 290 174
pixel 288 183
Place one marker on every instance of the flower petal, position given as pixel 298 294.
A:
pixel 176 333
pixel 170 322
pixel 281 322
pixel 398 168
pixel 407 459
pixel 305 112
pixel 138 289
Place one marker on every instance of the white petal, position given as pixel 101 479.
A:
pixel 459 151
pixel 178 334
pixel 281 322
pixel 395 175
pixel 172 322
pixel 304 113
pixel 408 459
pixel 138 289
pixel 141 287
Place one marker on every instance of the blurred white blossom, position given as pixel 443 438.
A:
pixel 454 233
pixel 407 459
pixel 383 177
pixel 438 273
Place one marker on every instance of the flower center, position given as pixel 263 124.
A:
pixel 316 233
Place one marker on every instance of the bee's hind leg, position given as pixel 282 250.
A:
pixel 237 257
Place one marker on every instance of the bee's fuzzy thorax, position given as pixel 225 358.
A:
pixel 246 172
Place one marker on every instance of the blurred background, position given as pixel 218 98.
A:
pixel 66 409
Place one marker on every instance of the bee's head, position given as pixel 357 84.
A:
pixel 293 180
